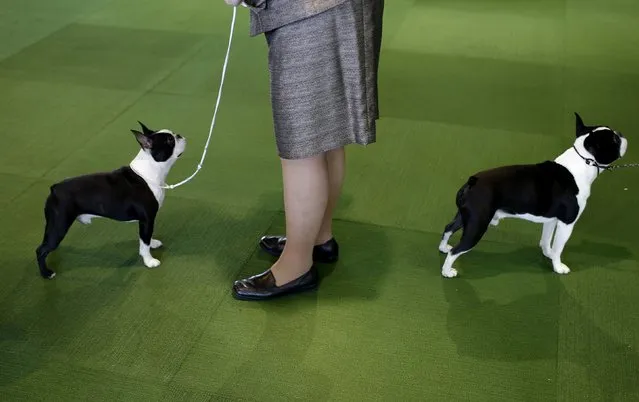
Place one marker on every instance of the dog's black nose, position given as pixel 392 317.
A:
pixel 179 137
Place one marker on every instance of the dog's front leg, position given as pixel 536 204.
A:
pixel 146 233
pixel 562 234
pixel 546 237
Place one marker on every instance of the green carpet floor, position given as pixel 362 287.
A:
pixel 465 85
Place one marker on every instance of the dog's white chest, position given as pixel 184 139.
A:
pixel 583 174
pixel 158 192
pixel 152 174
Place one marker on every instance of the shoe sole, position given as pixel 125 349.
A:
pixel 307 288
pixel 277 255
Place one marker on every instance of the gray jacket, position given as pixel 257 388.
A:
pixel 267 15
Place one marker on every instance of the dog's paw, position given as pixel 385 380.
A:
pixel 445 248
pixel 449 273
pixel 561 268
pixel 494 222
pixel 151 262
pixel 156 243
pixel 48 274
pixel 84 219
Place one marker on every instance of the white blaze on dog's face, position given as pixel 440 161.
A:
pixel 164 146
pixel 603 143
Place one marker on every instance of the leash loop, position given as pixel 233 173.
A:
pixel 217 105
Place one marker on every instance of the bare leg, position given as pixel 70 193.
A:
pixel 336 161
pixel 306 193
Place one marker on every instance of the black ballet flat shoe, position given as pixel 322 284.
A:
pixel 326 253
pixel 262 286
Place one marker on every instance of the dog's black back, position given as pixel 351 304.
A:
pixel 545 189
pixel 121 195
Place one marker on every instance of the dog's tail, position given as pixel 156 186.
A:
pixel 461 194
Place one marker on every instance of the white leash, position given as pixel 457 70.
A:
pixel 217 105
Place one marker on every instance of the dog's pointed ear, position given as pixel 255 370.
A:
pixel 145 129
pixel 143 139
pixel 580 127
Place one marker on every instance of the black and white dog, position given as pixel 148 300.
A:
pixel 553 193
pixel 130 193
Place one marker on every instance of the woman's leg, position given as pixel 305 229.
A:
pixel 336 161
pixel 326 250
pixel 306 196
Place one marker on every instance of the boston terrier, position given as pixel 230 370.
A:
pixel 553 193
pixel 130 193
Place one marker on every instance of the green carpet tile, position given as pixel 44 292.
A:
pixel 464 85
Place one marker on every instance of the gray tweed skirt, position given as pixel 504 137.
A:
pixel 323 73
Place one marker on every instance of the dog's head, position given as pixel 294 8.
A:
pixel 602 142
pixel 163 146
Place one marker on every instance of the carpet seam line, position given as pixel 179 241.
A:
pixel 219 304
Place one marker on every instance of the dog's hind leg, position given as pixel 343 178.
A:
pixel 475 226
pixel 58 222
pixel 450 229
